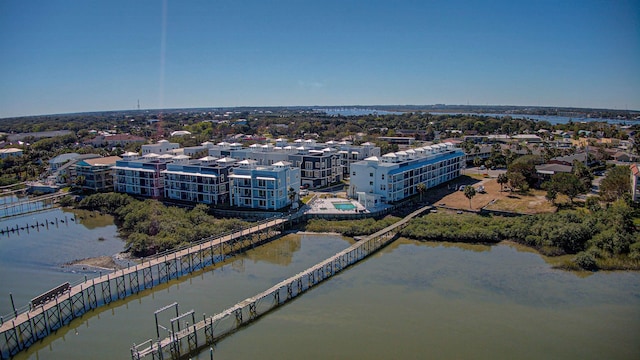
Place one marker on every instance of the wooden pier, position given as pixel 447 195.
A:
pixel 24 329
pixel 28 205
pixel 193 338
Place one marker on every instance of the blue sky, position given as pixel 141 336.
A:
pixel 75 56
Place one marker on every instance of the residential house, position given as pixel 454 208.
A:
pixel 10 152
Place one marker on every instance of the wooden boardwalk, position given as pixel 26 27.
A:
pixel 26 328
pixel 27 205
pixel 193 338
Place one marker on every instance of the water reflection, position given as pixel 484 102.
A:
pixel 109 331
pixel 278 252
pixel 90 219
pixel 31 261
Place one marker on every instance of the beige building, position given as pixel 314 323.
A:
pixel 97 173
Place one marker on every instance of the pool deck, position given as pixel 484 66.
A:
pixel 325 206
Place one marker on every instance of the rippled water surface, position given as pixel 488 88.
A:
pixel 410 301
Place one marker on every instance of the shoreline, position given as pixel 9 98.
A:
pixel 98 262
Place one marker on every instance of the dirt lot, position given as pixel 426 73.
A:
pixel 449 196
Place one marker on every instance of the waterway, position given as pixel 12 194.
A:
pixel 411 300
pixel 552 119
pixel 32 258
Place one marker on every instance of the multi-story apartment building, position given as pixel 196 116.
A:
pixel 263 187
pixel 318 168
pixel 322 164
pixel 97 173
pixel 161 147
pixel 395 176
pixel 140 176
pixel 349 154
pixel 205 180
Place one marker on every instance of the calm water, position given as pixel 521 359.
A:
pixel 31 261
pixel 15 205
pixel 411 300
pixel 552 119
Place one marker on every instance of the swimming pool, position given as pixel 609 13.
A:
pixel 344 205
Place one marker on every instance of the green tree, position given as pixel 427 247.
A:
pixel 525 166
pixel 616 183
pixel 551 195
pixel 292 195
pixel 502 180
pixel 593 203
pixel 80 180
pixel 518 181
pixel 469 192
pixel 583 173
pixel 422 188
pixel 477 162
pixel 567 184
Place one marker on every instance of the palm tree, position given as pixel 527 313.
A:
pixel 502 179
pixel 477 162
pixel 469 192
pixel 292 194
pixel 422 188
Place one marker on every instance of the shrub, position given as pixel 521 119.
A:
pixel 586 261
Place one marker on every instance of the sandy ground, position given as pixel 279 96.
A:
pixel 100 262
pixel 493 198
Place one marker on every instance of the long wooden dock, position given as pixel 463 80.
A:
pixel 27 205
pixel 210 329
pixel 24 329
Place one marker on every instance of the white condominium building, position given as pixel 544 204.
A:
pixel 160 148
pixel 140 176
pixel 264 187
pixel 395 176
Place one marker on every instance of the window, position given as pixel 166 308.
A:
pixel 382 176
pixel 354 173
pixel 370 174
pixel 383 187
pixel 371 183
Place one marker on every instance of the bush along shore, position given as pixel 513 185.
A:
pixel 598 238
pixel 602 239
pixel 149 226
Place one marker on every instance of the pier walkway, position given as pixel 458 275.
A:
pixel 193 338
pixel 51 313
pixel 29 204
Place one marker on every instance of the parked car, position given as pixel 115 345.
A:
pixel 462 187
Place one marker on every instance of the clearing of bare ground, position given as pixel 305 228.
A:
pixel 493 197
